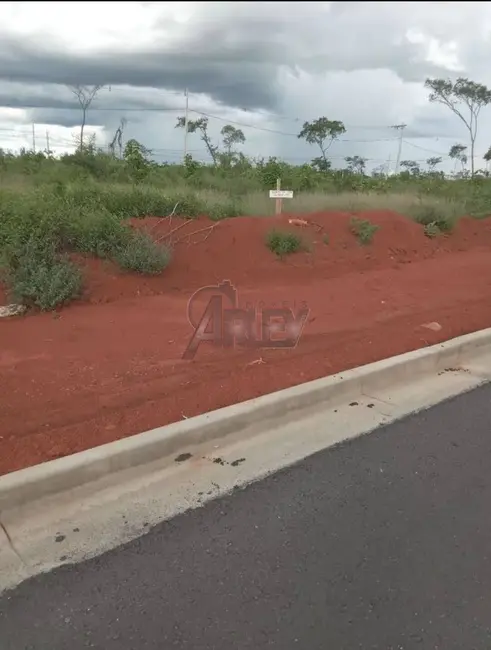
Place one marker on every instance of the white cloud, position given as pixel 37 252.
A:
pixel 360 62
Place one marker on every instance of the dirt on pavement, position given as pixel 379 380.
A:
pixel 111 365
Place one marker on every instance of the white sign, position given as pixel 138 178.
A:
pixel 280 194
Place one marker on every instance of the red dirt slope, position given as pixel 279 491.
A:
pixel 96 372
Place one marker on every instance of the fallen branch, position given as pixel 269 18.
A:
pixel 168 216
pixel 256 362
pixel 208 229
pixel 171 232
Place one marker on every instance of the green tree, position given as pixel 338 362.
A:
pixel 458 152
pixel 411 166
pixel 200 126
pixel 433 162
pixel 231 137
pixel 356 164
pixel 137 157
pixel 323 133
pixel 465 98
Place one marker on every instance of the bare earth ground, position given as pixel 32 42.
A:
pixel 111 365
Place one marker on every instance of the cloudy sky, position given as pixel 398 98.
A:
pixel 264 67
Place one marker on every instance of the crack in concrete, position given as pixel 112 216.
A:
pixel 382 401
pixel 12 545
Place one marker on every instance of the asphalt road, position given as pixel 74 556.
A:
pixel 380 543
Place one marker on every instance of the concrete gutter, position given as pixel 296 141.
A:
pixel 247 418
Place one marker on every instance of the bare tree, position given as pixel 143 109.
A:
pixel 118 139
pixel 85 96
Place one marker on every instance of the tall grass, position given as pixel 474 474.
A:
pixel 50 209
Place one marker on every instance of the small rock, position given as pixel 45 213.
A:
pixel 182 457
pixel 433 326
pixel 12 310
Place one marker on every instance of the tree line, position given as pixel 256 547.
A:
pixel 464 98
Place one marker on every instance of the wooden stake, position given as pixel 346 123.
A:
pixel 278 201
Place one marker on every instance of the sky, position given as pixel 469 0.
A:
pixel 264 67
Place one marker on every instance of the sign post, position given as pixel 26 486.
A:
pixel 279 195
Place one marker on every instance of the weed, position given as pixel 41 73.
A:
pixel 283 243
pixel 432 230
pixel 325 239
pixel 38 276
pixel 363 229
pixel 427 215
pixel 140 253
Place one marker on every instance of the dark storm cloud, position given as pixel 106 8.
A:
pixel 234 83
pixel 233 53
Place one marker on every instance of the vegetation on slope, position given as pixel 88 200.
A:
pixel 51 208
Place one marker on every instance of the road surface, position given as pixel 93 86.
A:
pixel 381 543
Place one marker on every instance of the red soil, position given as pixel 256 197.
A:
pixel 96 372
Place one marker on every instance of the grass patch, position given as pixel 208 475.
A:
pixel 38 276
pixel 325 240
pixel 435 215
pixel 363 230
pixel 140 253
pixel 283 243
pixel 38 231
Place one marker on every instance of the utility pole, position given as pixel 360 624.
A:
pixel 47 142
pixel 186 119
pixel 34 138
pixel 400 128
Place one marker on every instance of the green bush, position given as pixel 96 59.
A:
pixel 38 276
pixel 363 230
pixel 140 253
pixel 283 243
pixel 434 214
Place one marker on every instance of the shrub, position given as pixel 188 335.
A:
pixel 38 276
pixel 283 243
pixel 363 229
pixel 140 253
pixel 427 215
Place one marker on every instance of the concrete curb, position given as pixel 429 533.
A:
pixel 33 483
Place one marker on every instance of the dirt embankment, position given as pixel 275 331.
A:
pixel 111 365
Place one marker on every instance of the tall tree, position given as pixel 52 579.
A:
pixel 432 163
pixel 118 138
pixel 411 166
pixel 231 137
pixel 356 164
pixel 200 126
pixel 465 98
pixel 458 152
pixel 323 133
pixel 85 96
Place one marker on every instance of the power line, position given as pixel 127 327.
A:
pixel 417 146
pixel 145 109
pixel 262 128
